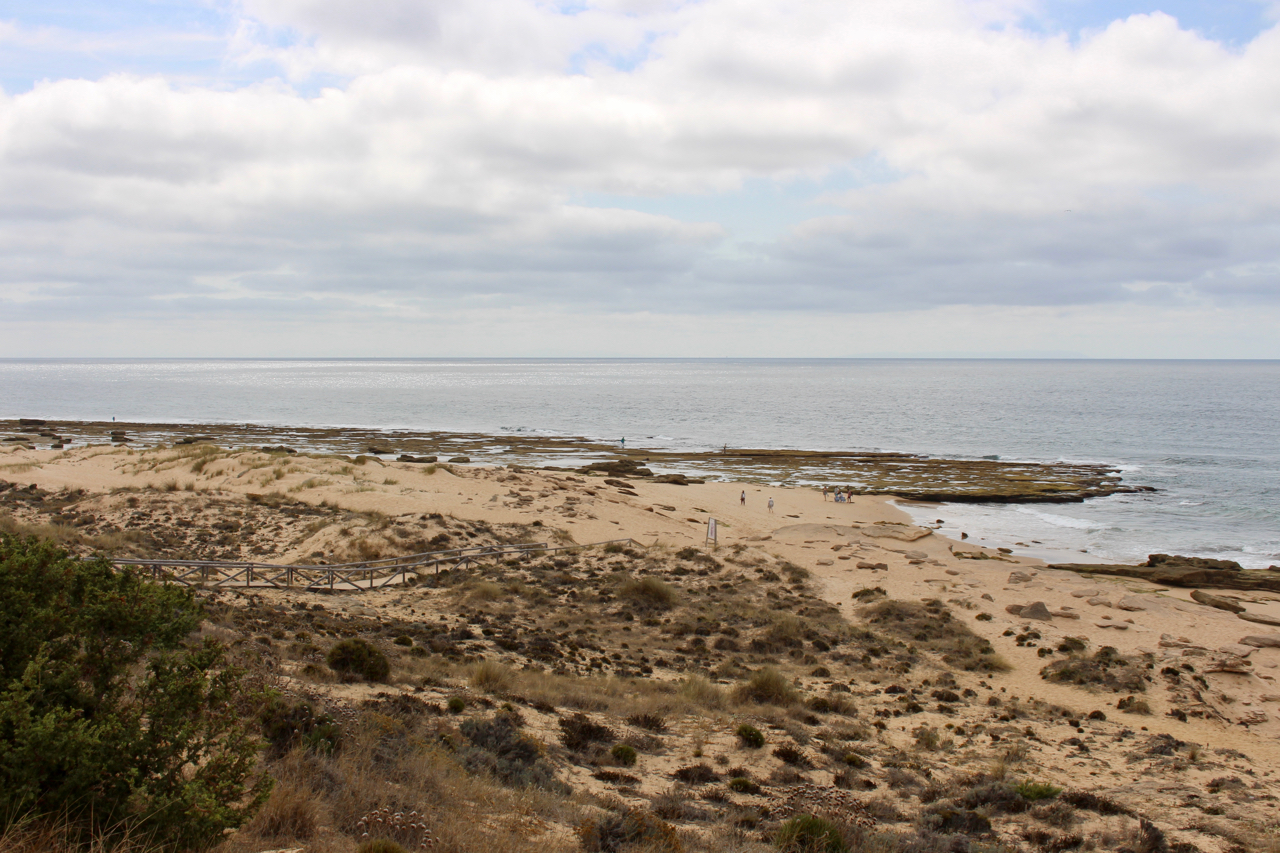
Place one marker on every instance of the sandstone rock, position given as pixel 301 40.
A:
pixel 952 571
pixel 915 555
pixel 1228 663
pixel 460 459
pixel 618 468
pixel 1168 641
pixel 1020 577
pixel 405 457
pixel 1099 601
pixel 1066 614
pixel 826 562
pixel 1086 593
pixel 1119 626
pixel 28 422
pixel 1218 601
pixel 677 479
pixel 1237 649
pixel 1131 603
pixel 1253 718
pixel 863 564
pixel 1036 610
pixel 893 530
pixel 1259 618
pixel 986 596
pixel 1015 609
pixel 1271 641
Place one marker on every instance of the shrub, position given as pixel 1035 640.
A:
pixel 650 592
pixel 628 829
pixel 286 725
pixel 788 754
pixel 491 677
pixel 456 704
pixel 403 640
pixel 498 747
pixel 106 717
pixel 649 722
pixel 360 658
pixel 696 774
pixel 380 845
pixel 578 732
pixel 624 754
pixel 291 814
pixel 809 834
pixel 1037 790
pixel 750 736
pixel 767 686
pixel 743 785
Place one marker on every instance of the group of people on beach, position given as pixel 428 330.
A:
pixel 843 495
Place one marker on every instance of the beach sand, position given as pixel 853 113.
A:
pixel 1233 715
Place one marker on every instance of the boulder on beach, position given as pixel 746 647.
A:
pixel 460 459
pixel 1218 601
pixel 420 459
pixel 618 468
pixel 677 479
pixel 1259 618
pixel 1175 570
pixel 1035 610
pixel 1269 641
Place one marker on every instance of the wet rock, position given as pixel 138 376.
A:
pixel 618 468
pixel 1218 601
pixel 405 457
pixel 460 459
pixel 30 422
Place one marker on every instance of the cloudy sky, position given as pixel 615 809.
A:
pixel 640 178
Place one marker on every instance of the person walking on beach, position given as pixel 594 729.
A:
pixel 771 505
pixel 824 493
pixel 743 500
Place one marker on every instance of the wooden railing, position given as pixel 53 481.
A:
pixel 349 577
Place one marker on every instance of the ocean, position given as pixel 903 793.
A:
pixel 1203 433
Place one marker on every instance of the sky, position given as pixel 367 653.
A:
pixel 649 178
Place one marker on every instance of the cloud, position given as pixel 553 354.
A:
pixel 480 156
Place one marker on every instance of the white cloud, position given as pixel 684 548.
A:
pixel 448 164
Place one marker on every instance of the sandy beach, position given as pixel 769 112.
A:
pixel 1207 678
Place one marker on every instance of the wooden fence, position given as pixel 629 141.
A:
pixel 348 577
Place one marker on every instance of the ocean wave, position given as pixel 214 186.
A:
pixel 1058 520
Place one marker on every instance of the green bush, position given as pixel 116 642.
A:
pixel 359 658
pixel 286 725
pixel 628 829
pixel 743 785
pixel 750 736
pixel 109 717
pixel 1037 790
pixel 624 755
pixel 456 704
pixel 809 834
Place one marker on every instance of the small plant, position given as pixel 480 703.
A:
pixel 357 657
pixel 403 640
pixel 456 704
pixel 743 785
pixel 750 737
pixel 491 677
pixel 1037 790
pixel 810 834
pixel 624 754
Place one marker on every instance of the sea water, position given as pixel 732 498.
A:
pixel 1204 433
